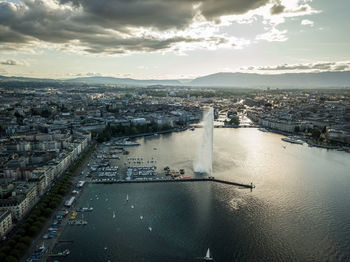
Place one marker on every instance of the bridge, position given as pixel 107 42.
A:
pixel 183 180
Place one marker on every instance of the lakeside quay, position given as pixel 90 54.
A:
pixel 50 243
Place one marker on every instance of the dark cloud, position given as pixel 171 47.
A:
pixel 114 45
pixel 7 35
pixel 161 13
pixel 106 26
pixel 277 8
pixel 9 62
pixel 213 9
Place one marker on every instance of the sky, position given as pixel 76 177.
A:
pixel 172 39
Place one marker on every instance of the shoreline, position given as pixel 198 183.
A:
pixel 309 142
pixel 50 243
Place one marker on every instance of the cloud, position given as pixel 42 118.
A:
pixel 274 35
pixel 124 26
pixel 213 9
pixel 93 74
pixel 8 62
pixel 307 22
pixel 277 8
pixel 320 66
pixel 11 62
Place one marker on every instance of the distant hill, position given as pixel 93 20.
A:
pixel 248 80
pixel 19 78
pixel 123 81
pixel 299 80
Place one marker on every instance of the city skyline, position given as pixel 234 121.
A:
pixel 171 39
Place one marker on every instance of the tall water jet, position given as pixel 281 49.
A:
pixel 204 161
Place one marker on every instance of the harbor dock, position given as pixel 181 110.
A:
pixel 208 179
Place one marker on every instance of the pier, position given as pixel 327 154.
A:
pixel 228 126
pixel 183 180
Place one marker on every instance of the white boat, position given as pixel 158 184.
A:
pixel 64 253
pixel 208 256
pixel 141 217
pixel 127 197
pixel 292 140
pixel 113 214
pixel 125 142
pixel 263 129
pixel 85 209
pixel 150 229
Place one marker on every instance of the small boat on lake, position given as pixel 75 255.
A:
pixel 208 256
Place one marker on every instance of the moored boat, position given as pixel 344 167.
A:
pixel 292 140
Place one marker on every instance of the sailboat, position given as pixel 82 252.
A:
pixel 83 222
pixel 208 256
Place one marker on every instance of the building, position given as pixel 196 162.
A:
pixel 15 204
pixel 23 197
pixel 5 222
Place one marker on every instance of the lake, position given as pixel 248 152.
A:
pixel 299 210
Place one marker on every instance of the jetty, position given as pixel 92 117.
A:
pixel 182 180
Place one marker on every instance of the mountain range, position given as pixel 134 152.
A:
pixel 123 81
pixel 298 80
pixel 251 80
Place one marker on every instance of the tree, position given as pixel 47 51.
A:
pixel 33 230
pixel 11 242
pixel 234 121
pixel 315 133
pixel 2 256
pixel 10 259
pixel 15 253
pixel 45 113
pixel 6 249
pixel 26 240
pixel 21 247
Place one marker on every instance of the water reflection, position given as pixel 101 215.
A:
pixel 298 212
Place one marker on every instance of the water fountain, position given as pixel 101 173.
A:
pixel 204 161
